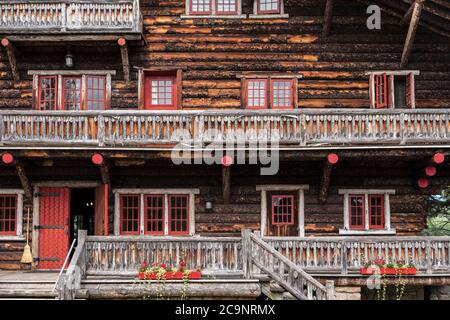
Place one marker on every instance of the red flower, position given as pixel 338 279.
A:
pixel 163 265
pixel 379 262
pixel 144 264
pixel 182 263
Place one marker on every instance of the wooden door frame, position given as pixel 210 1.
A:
pixel 279 187
pixel 36 213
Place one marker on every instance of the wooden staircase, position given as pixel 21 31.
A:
pixel 27 285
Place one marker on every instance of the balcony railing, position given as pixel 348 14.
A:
pixel 303 127
pixel 70 16
pixel 227 256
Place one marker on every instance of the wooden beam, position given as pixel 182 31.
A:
pixel 125 59
pixel 332 159
pixel 100 161
pixel 8 159
pixel 407 17
pixel 328 17
pixel 226 184
pixel 414 24
pixel 12 58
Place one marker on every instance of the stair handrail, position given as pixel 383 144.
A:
pixel 58 280
pixel 70 282
pixel 290 276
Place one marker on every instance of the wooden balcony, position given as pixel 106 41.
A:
pixel 300 128
pixel 70 16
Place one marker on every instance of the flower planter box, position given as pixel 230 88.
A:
pixel 388 271
pixel 169 275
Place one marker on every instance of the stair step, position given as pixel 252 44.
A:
pixel 288 296
pixel 275 287
pixel 17 293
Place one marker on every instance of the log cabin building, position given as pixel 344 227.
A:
pixel 93 93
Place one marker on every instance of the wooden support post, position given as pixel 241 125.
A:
pixel 329 286
pixel 332 159
pixel 226 184
pixel 12 58
pixel 415 17
pixel 407 17
pixel 125 60
pixel 8 158
pixel 328 17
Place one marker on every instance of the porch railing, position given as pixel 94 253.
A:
pixel 347 254
pixel 303 127
pixel 70 16
pixel 110 255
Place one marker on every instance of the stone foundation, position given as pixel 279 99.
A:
pixel 440 293
pixel 348 293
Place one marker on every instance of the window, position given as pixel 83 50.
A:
pixel 8 214
pixel 366 211
pixel 178 214
pixel 161 213
pixel 129 214
pixel 214 8
pixel 72 91
pixel 279 95
pixel 392 89
pixel 268 6
pixel 282 209
pixel 161 89
pixel 200 6
pixel 268 9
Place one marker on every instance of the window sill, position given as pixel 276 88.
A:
pixel 231 16
pixel 12 238
pixel 345 232
pixel 269 16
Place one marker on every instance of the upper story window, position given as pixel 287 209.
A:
pixel 283 209
pixel 268 9
pixel 366 211
pixel 155 212
pixel 161 89
pixel 392 89
pixel 214 8
pixel 11 213
pixel 270 93
pixel 72 90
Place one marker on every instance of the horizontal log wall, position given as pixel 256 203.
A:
pixel 213 51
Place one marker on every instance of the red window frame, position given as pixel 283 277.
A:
pixel 361 226
pixel 6 219
pixel 148 92
pixel 259 11
pixel 179 219
pixel 97 88
pixel 379 214
pixel 123 219
pixel 66 104
pixel 291 94
pixel 42 99
pixel 192 12
pixel 247 91
pixel 151 218
pixel 284 217
pixel 381 91
pixel 226 12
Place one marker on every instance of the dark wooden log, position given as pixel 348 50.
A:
pixel 332 159
pixel 415 17
pixel 12 58
pixel 328 17
pixel 226 184
pixel 125 59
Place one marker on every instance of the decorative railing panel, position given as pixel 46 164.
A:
pixel 303 127
pixel 346 254
pixel 122 254
pixel 71 15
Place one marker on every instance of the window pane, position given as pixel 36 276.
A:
pixel 129 206
pixel 200 6
pixel 162 92
pixel 48 93
pixel 356 207
pixel 154 214
pixel 8 213
pixel 72 93
pixel 376 211
pixel 256 93
pixel 281 94
pixel 178 214
pixel 96 92
pixel 268 6
pixel 282 209
pixel 226 6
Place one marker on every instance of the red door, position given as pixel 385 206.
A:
pixel 54 226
